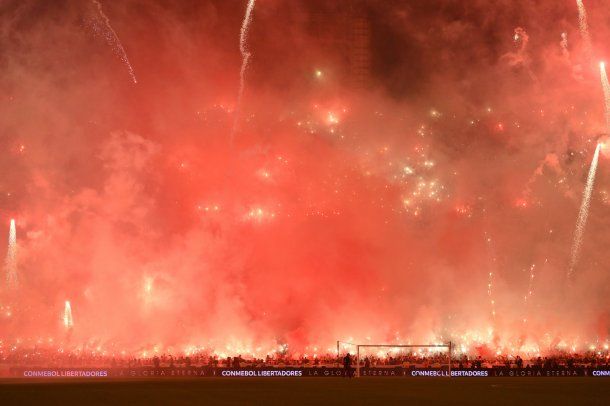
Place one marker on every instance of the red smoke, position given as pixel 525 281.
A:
pixel 346 206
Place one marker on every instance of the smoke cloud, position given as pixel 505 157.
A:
pixel 390 155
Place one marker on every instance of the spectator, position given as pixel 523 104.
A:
pixel 347 366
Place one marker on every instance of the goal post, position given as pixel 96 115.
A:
pixel 344 344
pixel 448 346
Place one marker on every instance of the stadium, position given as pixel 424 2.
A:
pixel 303 201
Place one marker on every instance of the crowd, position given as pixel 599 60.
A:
pixel 57 359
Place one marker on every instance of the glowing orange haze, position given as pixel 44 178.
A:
pixel 435 201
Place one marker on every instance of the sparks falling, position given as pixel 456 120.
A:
pixel 586 201
pixel 490 276
pixel 564 45
pixel 530 286
pixel 67 318
pixel 530 290
pixel 10 264
pixel 583 214
pixel 245 55
pixel 584 28
pixel 113 40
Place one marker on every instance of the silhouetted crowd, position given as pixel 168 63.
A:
pixel 58 359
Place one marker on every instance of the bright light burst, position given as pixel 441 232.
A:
pixel 10 263
pixel 67 316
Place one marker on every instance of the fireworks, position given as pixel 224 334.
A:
pixel 378 195
pixel 245 55
pixel 10 264
pixel 530 286
pixel 113 40
pixel 586 200
pixel 521 39
pixel 530 289
pixel 490 275
pixel 521 56
pixel 583 213
pixel 67 316
pixel 258 214
pixel 564 45
pixel 584 28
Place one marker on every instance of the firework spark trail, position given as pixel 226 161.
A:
pixel 530 290
pixel 583 214
pixel 245 55
pixel 11 258
pixel 530 286
pixel 68 321
pixel 113 40
pixel 490 277
pixel 584 28
pixel 606 88
pixel 564 46
pixel 586 200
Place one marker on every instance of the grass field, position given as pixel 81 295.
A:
pixel 311 391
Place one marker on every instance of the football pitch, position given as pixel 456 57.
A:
pixel 312 391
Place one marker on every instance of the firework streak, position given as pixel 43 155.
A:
pixel 583 214
pixel 11 258
pixel 113 40
pixel 245 55
pixel 584 28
